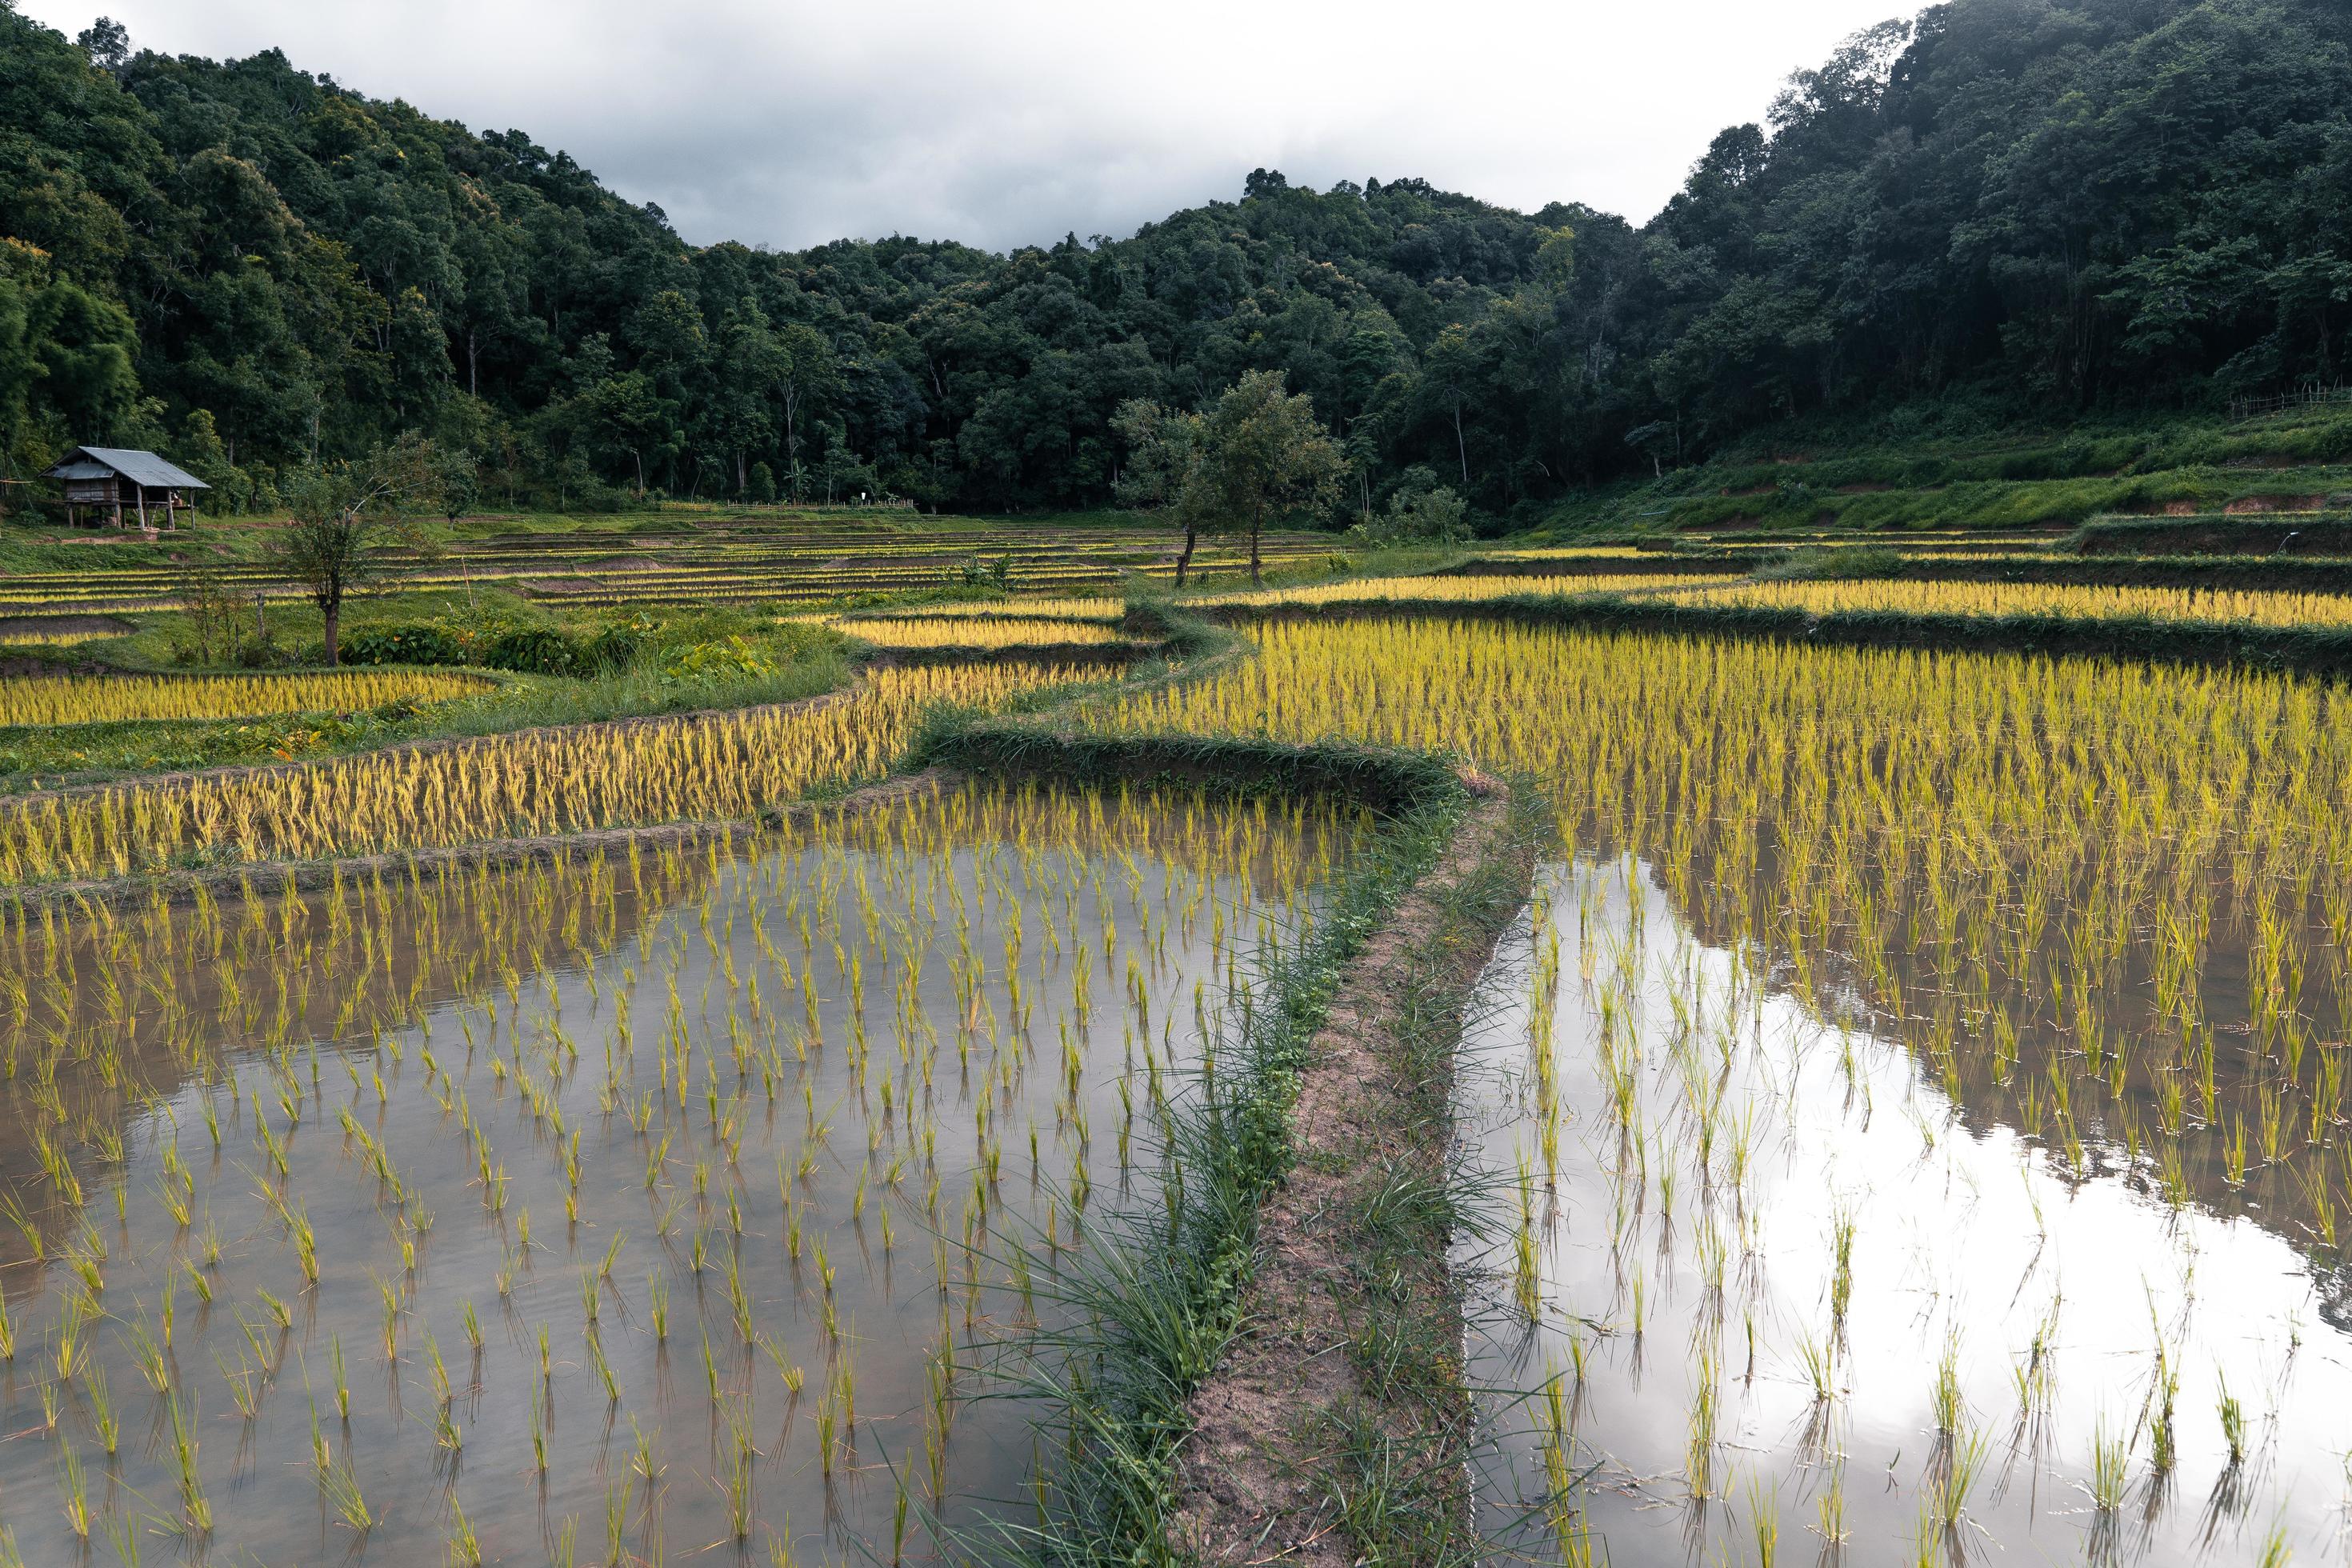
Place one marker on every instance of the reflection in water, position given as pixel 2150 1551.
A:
pixel 2084 920
pixel 2106 902
pixel 622 1204
pixel 1790 1295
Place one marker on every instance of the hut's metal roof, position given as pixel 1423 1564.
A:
pixel 140 467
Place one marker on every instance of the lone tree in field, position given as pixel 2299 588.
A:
pixel 342 518
pixel 1255 455
pixel 1163 448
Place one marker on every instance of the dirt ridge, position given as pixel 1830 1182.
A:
pixel 1256 1474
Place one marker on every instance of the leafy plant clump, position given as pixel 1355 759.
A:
pixel 403 643
pixel 1843 562
pixel 730 658
pixel 1434 516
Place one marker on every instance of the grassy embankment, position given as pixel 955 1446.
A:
pixel 1903 473
pixel 108 601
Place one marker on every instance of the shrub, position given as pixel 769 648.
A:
pixel 1434 516
pixel 537 650
pixel 412 644
pixel 614 649
pixel 731 657
pixel 260 653
pixel 1845 562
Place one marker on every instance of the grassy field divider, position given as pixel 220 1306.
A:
pixel 1337 1429
pixel 1153 1296
pixel 2303 650
pixel 2252 573
pixel 1183 1312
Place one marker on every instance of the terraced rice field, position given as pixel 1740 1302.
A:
pixel 991 632
pixel 2263 608
pixel 745 561
pixel 724 766
pixel 349 1225
pixel 1053 609
pixel 1917 1095
pixel 1437 591
pixel 109 699
pixel 1909 1123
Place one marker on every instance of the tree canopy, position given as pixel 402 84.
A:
pixel 1254 456
pixel 2061 205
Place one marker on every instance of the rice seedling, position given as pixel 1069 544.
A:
pixel 465 1547
pixel 103 1418
pixel 1819 1359
pixel 717 768
pixel 75 1489
pixel 1950 1409
pixel 52 700
pixel 194 1507
pixel 2066 601
pixel 465 999
pixel 2109 1459
pixel 2233 1426
pixel 1830 1509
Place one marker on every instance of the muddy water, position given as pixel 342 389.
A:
pixel 1793 1298
pixel 702 1166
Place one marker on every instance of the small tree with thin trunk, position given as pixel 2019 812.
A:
pixel 1256 454
pixel 1267 457
pixel 457 476
pixel 344 516
pixel 1164 448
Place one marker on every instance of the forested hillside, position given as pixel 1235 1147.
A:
pixel 2037 207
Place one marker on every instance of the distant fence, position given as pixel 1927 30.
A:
pixel 2248 407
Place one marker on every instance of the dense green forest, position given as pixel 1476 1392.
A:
pixel 2007 208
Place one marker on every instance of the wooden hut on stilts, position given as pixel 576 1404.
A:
pixel 126 484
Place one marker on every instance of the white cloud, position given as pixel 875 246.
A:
pixel 1014 122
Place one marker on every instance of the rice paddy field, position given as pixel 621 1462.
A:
pixel 991 632
pixel 1454 590
pixel 2074 603
pixel 720 766
pixel 1917 1090
pixel 595 1207
pixel 110 698
pixel 748 561
pixel 1906 1124
pixel 1052 609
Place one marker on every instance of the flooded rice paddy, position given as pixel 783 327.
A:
pixel 610 1208
pixel 1775 1286
pixel 1951 1160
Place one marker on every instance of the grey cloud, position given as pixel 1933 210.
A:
pixel 1015 122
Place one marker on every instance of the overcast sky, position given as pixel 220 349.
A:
pixel 1003 122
